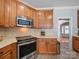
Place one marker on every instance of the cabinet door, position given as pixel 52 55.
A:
pixel 31 13
pixel 1 12
pixel 8 55
pixel 52 48
pixel 20 9
pixel 13 50
pixel 42 46
pixel 7 12
pixel 41 19
pixel 76 43
pixel 13 13
pixel 48 19
pixel 26 11
pixel 78 18
pixel 36 19
pixel 45 18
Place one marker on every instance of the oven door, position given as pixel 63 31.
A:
pixel 26 49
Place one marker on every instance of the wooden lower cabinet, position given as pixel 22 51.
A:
pixel 47 45
pixel 8 55
pixel 75 42
pixel 8 52
pixel 52 46
pixel 13 46
pixel 42 47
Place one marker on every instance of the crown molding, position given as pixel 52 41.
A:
pixel 50 8
pixel 67 7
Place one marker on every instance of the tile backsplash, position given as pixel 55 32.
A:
pixel 37 32
pixel 15 32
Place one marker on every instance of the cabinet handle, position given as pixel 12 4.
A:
pixel 1 52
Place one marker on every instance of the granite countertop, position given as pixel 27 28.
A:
pixel 6 42
pixel 45 36
pixel 76 35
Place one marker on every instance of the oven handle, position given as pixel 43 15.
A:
pixel 23 43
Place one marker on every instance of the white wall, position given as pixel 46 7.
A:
pixel 70 13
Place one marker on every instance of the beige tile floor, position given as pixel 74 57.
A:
pixel 57 56
pixel 65 53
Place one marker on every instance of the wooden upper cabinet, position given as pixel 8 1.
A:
pixel 1 12
pixel 41 18
pixel 49 18
pixel 7 13
pixel 24 10
pixel 10 13
pixel 78 18
pixel 20 9
pixel 36 19
pixel 45 18
pixel 13 14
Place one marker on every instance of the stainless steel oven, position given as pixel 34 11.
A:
pixel 26 48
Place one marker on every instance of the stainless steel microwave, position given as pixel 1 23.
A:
pixel 24 22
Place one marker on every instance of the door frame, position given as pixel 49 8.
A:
pixel 70 24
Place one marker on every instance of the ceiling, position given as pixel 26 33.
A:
pixel 52 3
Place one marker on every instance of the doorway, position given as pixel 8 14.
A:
pixel 64 31
pixel 64 34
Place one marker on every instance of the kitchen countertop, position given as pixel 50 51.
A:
pixel 45 36
pixel 76 35
pixel 6 42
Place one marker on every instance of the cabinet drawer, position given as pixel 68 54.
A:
pixel 5 50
